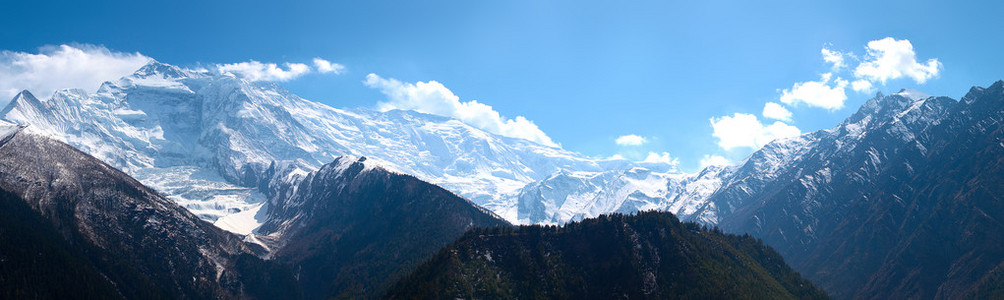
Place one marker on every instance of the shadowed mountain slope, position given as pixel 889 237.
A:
pixel 650 255
pixel 141 244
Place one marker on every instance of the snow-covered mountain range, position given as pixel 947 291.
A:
pixel 221 145
pixel 853 207
pixel 206 140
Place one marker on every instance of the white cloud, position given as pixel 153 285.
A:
pixel 714 160
pixel 61 67
pixel 889 58
pixel 817 93
pixel 631 140
pixel 663 157
pixel 433 98
pixel 775 111
pixel 324 66
pixel 744 130
pixel 862 86
pixel 253 70
pixel 834 57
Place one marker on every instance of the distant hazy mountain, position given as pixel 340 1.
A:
pixel 650 255
pixel 74 227
pixel 570 195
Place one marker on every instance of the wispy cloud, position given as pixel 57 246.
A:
pixel 714 160
pixel 433 98
pixel 775 111
pixel 631 140
pixel 836 58
pixel 255 71
pixel 661 157
pixel 324 66
pixel 862 86
pixel 886 59
pixel 64 66
pixel 822 93
pixel 889 58
pixel 746 131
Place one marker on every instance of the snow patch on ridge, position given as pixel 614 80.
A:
pixel 912 94
pixel 244 222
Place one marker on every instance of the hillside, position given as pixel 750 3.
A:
pixel 352 228
pixel 650 255
pixel 93 231
pixel 900 200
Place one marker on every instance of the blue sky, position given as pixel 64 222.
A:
pixel 585 73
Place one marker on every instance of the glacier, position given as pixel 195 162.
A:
pixel 205 139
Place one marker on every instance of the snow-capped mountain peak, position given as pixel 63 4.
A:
pixel 24 104
pixel 161 70
pixel 215 142
pixel 912 94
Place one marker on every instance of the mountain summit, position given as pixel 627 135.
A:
pixel 206 140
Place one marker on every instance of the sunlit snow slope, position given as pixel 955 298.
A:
pixel 207 140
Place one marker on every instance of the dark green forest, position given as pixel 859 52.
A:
pixel 36 262
pixel 649 255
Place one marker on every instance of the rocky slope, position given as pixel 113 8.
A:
pixel 901 200
pixel 346 230
pixel 143 245
pixel 352 228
